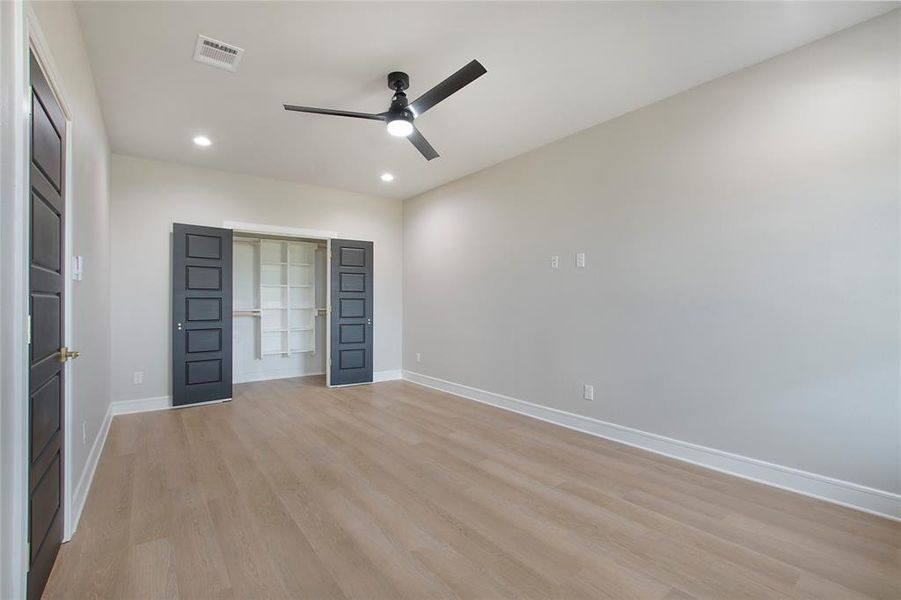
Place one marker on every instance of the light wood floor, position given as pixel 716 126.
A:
pixel 396 491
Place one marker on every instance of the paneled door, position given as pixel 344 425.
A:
pixel 201 314
pixel 350 359
pixel 46 355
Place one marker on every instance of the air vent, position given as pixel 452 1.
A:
pixel 217 54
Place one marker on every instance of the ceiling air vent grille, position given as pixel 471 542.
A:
pixel 217 54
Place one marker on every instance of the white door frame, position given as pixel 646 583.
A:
pixel 312 234
pixel 13 302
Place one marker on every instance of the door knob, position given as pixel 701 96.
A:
pixel 66 354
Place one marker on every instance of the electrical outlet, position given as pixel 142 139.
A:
pixel 138 377
pixel 555 262
pixel 580 260
pixel 588 391
pixel 84 432
pixel 418 357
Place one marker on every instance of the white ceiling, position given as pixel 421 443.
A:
pixel 553 69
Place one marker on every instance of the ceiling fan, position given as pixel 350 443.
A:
pixel 400 115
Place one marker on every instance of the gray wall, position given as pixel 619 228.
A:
pixel 148 196
pixel 742 281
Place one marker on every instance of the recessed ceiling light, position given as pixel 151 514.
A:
pixel 202 140
pixel 386 177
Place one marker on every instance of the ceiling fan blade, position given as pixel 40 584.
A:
pixel 449 86
pixel 424 147
pixel 336 113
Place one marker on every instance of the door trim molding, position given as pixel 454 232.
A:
pixel 14 305
pixel 262 229
pixel 836 491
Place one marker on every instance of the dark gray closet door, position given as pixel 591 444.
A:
pixel 201 314
pixel 46 307
pixel 351 316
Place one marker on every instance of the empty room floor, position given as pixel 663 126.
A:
pixel 394 490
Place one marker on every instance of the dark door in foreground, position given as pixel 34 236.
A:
pixel 46 306
pixel 351 317
pixel 201 314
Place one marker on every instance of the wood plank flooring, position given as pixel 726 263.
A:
pixel 396 491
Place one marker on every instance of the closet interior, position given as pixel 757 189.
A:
pixel 279 308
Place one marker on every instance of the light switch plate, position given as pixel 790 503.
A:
pixel 580 260
pixel 77 268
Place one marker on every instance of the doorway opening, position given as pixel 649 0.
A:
pixel 280 304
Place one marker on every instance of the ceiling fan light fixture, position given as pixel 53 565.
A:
pixel 400 127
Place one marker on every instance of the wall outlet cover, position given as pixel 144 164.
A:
pixel 588 392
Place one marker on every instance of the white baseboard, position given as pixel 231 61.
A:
pixel 852 495
pixel 80 496
pixel 387 375
pixel 278 376
pixel 127 407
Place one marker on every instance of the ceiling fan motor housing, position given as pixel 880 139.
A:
pixel 398 81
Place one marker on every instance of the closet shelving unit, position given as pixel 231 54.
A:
pixel 287 297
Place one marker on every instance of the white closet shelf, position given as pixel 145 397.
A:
pixel 293 272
